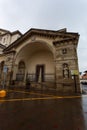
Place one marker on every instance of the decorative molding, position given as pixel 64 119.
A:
pixel 33 38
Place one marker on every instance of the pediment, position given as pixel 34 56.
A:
pixel 43 33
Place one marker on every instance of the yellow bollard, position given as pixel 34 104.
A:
pixel 2 93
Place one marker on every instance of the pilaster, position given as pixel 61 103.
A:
pixel 66 61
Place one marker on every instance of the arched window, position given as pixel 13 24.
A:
pixel 21 67
pixel 65 70
pixel 21 71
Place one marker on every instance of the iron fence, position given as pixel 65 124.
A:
pixel 20 77
pixel 47 77
pixel 50 77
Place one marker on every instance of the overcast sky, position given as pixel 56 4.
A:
pixel 48 14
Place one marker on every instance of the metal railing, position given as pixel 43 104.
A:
pixel 50 77
pixel 20 77
pixel 31 77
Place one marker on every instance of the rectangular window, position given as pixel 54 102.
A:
pixel 64 51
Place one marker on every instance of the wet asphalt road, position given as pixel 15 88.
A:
pixel 37 110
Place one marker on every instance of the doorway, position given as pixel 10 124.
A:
pixel 40 73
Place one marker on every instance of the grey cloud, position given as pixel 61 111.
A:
pixel 47 14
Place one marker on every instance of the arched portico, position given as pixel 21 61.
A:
pixel 39 62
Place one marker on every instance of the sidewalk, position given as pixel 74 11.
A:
pixel 52 91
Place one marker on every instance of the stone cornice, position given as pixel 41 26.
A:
pixel 41 33
pixel 67 40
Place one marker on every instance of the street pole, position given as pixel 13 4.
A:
pixel 5 69
pixel 75 83
pixel 4 79
pixel 11 73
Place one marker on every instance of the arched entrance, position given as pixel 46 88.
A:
pixel 39 61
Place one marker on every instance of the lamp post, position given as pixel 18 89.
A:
pixel 11 72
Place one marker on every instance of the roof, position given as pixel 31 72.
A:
pixel 11 33
pixel 51 33
pixel 16 32
pixel 4 30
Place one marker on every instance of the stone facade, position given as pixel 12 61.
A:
pixel 44 57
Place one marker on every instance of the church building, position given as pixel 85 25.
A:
pixel 45 58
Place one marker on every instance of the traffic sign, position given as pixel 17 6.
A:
pixel 74 72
